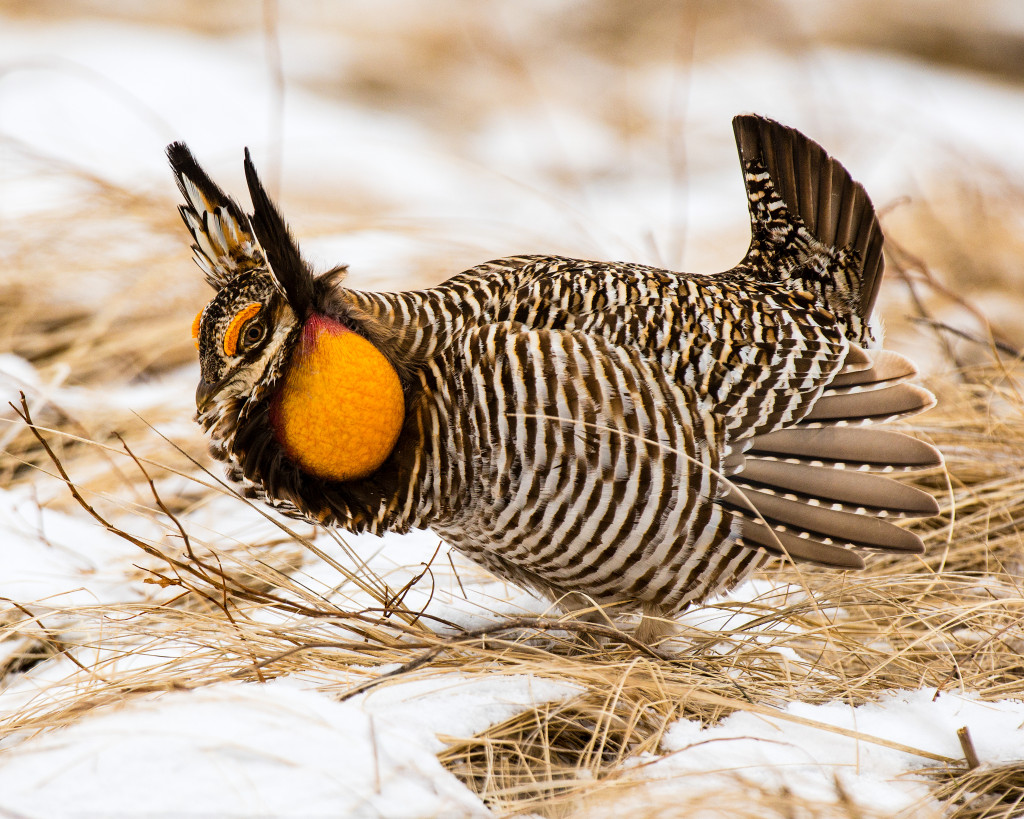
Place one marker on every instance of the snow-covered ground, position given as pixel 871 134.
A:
pixel 543 173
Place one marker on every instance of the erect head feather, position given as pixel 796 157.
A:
pixel 222 240
pixel 292 274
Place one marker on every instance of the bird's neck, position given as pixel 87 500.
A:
pixel 339 407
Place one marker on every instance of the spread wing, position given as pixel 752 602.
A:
pixel 820 486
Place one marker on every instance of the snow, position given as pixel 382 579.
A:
pixel 233 750
pixel 457 705
pixel 540 176
pixel 806 760
pixel 59 559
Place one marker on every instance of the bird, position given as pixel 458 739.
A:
pixel 609 435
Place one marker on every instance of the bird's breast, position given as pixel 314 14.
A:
pixel 339 408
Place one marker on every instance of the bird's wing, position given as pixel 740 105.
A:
pixel 569 425
pixel 819 486
pixel 757 354
pixel 222 238
pixel 587 466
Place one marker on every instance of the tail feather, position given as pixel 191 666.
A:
pixel 819 513
pixel 836 489
pixel 810 220
pixel 779 540
pixel 857 359
pixel 870 406
pixel 813 491
pixel 843 529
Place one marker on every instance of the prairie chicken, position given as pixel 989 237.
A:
pixel 605 433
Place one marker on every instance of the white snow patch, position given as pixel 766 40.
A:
pixel 780 754
pixel 232 750
pixel 460 705
pixel 62 559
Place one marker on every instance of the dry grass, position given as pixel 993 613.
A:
pixel 952 619
pixel 990 791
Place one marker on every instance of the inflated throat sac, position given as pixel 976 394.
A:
pixel 340 408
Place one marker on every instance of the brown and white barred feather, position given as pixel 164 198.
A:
pixel 585 469
pixel 618 432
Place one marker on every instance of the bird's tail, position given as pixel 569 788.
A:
pixel 811 224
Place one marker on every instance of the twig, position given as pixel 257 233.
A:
pixel 515 624
pixel 223 486
pixel 967 744
pixel 196 567
pixel 896 252
pixel 1001 346
pixel 457 578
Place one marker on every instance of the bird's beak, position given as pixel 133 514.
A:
pixel 204 394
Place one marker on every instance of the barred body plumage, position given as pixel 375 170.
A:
pixel 604 432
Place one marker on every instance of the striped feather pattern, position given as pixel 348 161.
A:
pixel 605 431
pixel 586 469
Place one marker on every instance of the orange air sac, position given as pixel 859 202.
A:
pixel 339 409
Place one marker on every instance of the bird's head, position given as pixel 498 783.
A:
pixel 280 351
pixel 243 335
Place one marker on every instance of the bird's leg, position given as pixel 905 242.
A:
pixel 655 626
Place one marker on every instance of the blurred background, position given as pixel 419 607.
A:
pixel 412 140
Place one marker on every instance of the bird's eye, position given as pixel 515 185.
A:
pixel 254 333
pixel 241 326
